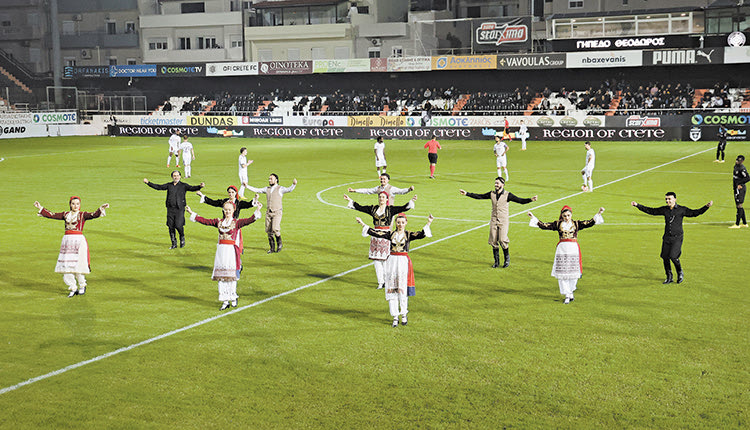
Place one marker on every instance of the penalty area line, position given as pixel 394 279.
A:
pixel 303 287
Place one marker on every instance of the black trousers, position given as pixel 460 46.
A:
pixel 176 221
pixel 671 247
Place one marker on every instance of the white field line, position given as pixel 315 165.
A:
pixel 260 302
pixel 48 154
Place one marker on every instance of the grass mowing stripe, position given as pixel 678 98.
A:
pixel 47 154
pixel 239 309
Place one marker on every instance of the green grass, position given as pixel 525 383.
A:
pixel 484 348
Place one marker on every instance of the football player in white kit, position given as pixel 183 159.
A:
pixel 523 133
pixel 588 169
pixel 380 155
pixel 242 163
pixel 188 155
pixel 501 148
pixel 174 148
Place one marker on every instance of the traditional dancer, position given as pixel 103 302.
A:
pixel 188 155
pixel 385 185
pixel 243 162
pixel 671 241
pixel 380 162
pixel 73 262
pixel 382 216
pixel 432 148
pixel 499 220
pixel 274 193
pixel 227 265
pixel 588 169
pixel 175 205
pixel 567 267
pixel 174 148
pixel 739 179
pixel 501 149
pixel 399 274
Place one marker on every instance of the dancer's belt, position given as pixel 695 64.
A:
pixel 73 232
pixel 382 227
pixel 226 242
pixel 568 240
pixel 399 253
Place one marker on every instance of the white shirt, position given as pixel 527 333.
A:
pixel 187 149
pixel 522 130
pixel 590 158
pixel 174 141
pixel 500 149
pixel 242 160
pixel 380 150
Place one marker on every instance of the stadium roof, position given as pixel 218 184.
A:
pixel 291 3
pixel 623 13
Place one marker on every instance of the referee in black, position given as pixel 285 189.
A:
pixel 175 205
pixel 739 179
pixel 671 242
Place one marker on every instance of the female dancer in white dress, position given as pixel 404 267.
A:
pixel 227 261
pixel 73 261
pixel 399 274
pixel 567 266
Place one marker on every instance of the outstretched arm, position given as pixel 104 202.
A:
pixel 699 211
pixel 155 186
pixel 646 209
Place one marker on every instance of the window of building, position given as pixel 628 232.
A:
pixel 474 12
pixel 130 27
pixel 235 41
pixel 207 43
pixel 575 4
pixel 363 10
pixel 112 61
pixel 292 54
pixel 625 2
pixel 373 52
pixel 271 17
pixel 68 27
pixel 70 61
pixel 192 7
pixel 131 61
pixel 155 44
pixel 5 23
pixel 296 16
pixel 318 53
pixel 341 53
pixel 265 54
pixel 184 43
pixel 397 51
pixel 111 27
pixel 322 15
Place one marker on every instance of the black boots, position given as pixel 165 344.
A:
pixel 669 279
pixel 278 243
pixel 496 254
pixel 174 240
pixel 182 241
pixel 271 244
pixel 680 277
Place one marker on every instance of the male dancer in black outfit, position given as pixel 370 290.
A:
pixel 175 205
pixel 500 219
pixel 739 179
pixel 671 242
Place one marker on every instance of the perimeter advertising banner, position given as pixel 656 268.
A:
pixel 75 72
pixel 501 34
pixel 465 62
pixel 405 133
pixel 410 64
pixel 286 67
pixel 179 70
pixel 588 60
pixel 37 118
pixel 740 54
pixel 680 57
pixel 352 65
pixel 531 61
pixel 232 69
pixel 133 71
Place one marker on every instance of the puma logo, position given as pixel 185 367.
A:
pixel 703 54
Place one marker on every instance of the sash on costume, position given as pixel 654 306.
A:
pixel 410 283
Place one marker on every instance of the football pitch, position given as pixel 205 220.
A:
pixel 311 345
